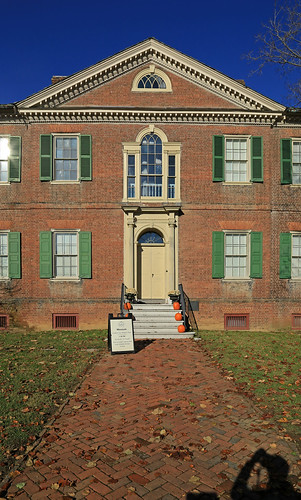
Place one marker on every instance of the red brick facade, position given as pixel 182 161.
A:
pixel 196 109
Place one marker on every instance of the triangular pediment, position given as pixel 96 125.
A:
pixel 150 51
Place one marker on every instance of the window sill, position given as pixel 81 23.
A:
pixel 69 280
pixel 64 182
pixel 5 279
pixel 241 280
pixel 3 183
pixel 248 183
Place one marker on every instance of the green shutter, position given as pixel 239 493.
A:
pixel 45 157
pixel 256 159
pixel 14 172
pixel 85 157
pixel 256 255
pixel 14 255
pixel 85 265
pixel 285 255
pixel 286 161
pixel 218 158
pixel 217 254
pixel 45 254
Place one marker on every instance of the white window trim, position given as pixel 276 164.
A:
pixel 5 278
pixel 294 233
pixel 151 69
pixel 64 135
pixel 294 139
pixel 5 183
pixel 168 149
pixel 239 278
pixel 249 174
pixel 65 278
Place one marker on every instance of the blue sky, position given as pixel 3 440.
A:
pixel 40 39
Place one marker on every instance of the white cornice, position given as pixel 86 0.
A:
pixel 148 116
pixel 150 50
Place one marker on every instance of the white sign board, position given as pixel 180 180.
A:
pixel 122 335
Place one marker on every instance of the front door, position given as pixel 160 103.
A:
pixel 151 267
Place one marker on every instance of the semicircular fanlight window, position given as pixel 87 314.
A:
pixel 151 82
pixel 151 237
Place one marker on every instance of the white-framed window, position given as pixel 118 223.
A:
pixel 4 156
pixel 151 167
pixel 296 255
pixel 65 161
pixel 65 254
pixel 296 162
pixel 4 255
pixel 237 255
pixel 151 79
pixel 237 159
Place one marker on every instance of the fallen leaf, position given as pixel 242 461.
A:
pixel 20 485
pixel 91 464
pixel 208 439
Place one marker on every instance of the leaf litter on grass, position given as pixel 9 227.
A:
pixel 37 372
pixel 264 366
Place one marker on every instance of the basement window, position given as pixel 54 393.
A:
pixel 296 321
pixel 4 321
pixel 65 321
pixel 236 322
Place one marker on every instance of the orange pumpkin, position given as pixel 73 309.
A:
pixel 176 306
pixel 181 328
pixel 178 316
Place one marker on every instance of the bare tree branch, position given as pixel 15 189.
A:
pixel 280 43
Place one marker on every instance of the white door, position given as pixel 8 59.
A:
pixel 151 275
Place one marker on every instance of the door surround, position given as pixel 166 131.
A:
pixel 163 220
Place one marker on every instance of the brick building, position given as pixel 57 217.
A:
pixel 150 169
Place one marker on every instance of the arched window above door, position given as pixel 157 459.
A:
pixel 151 237
pixel 152 167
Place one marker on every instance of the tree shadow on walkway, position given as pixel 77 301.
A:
pixel 275 487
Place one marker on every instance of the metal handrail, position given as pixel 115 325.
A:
pixel 183 305
pixel 188 314
pixel 122 299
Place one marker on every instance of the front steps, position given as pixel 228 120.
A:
pixel 156 321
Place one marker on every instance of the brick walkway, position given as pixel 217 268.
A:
pixel 156 425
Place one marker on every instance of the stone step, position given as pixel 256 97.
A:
pixel 158 315
pixel 156 321
pixel 150 307
pixel 159 334
pixel 154 325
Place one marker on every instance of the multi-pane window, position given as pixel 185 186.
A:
pixel 65 255
pixel 236 160
pixel 151 166
pixel 171 180
pixel 66 158
pixel 3 255
pixel 296 163
pixel 4 155
pixel 296 256
pixel 236 265
pixel 131 176
pixel 151 82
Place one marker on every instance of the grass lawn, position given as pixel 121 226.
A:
pixel 266 367
pixel 37 372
